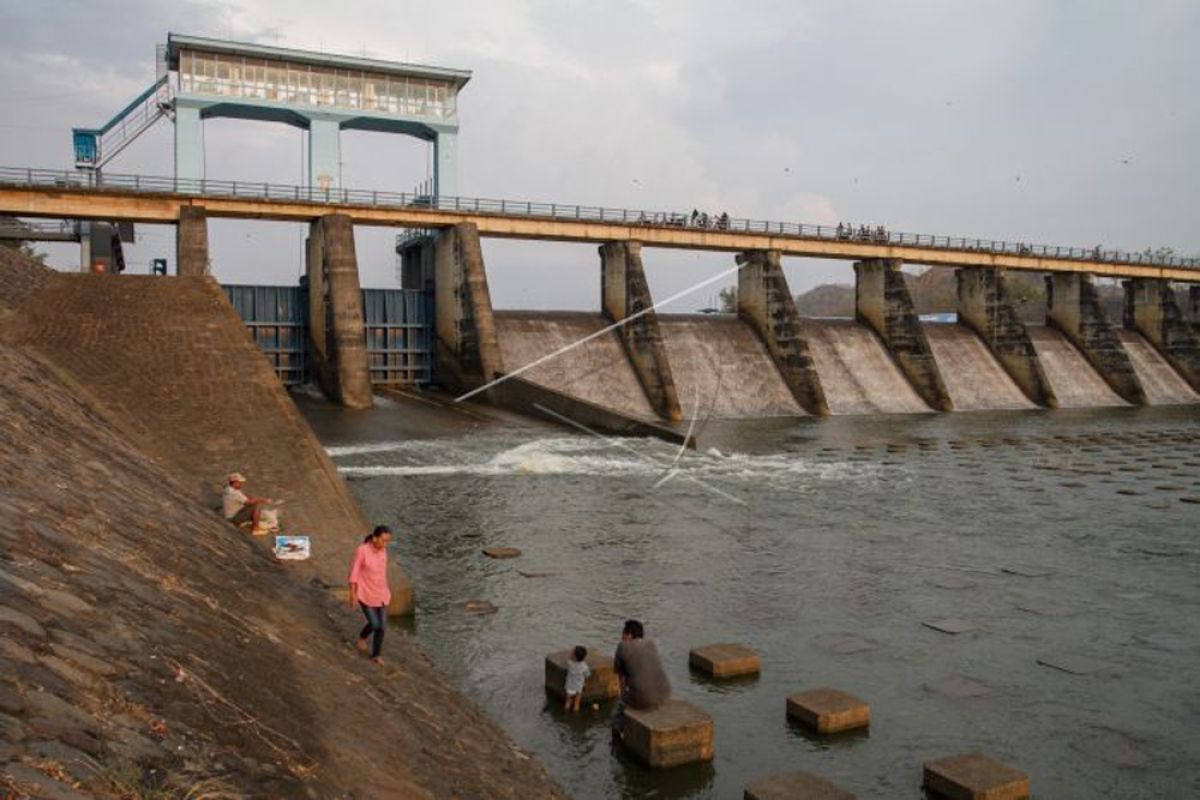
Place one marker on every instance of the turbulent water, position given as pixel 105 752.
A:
pixel 1066 538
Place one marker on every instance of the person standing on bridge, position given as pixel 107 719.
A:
pixel 369 588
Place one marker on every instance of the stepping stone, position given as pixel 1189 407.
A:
pixel 1073 665
pixel 1028 572
pixel 529 573
pixel 1112 747
pixel 673 734
pixel 602 684
pixel 951 625
pixel 958 687
pixel 724 660
pixel 951 582
pixel 829 710
pixel 844 643
pixel 501 552
pixel 795 786
pixel 1172 642
pixel 1192 500
pixel 974 776
pixel 479 607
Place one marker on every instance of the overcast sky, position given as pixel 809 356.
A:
pixel 1070 123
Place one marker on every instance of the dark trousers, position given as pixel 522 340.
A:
pixel 376 622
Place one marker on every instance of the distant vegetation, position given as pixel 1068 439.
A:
pixel 934 292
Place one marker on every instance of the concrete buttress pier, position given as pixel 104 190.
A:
pixel 1151 310
pixel 984 306
pixel 1073 307
pixel 624 294
pixel 468 351
pixel 191 242
pixel 336 337
pixel 765 302
pixel 883 304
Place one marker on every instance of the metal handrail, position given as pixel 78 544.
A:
pixel 203 187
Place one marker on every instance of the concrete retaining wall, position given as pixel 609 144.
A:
pixel 625 293
pixel 765 302
pixel 984 306
pixel 336 334
pixel 883 304
pixel 1073 307
pixel 1150 309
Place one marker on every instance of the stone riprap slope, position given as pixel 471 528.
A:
pixel 169 362
pixel 20 276
pixel 149 649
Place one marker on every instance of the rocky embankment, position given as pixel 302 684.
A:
pixel 148 649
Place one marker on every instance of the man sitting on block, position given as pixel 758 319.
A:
pixel 644 683
pixel 240 507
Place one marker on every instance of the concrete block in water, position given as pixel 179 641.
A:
pixel 602 684
pixel 974 776
pixel 798 785
pixel 673 734
pixel 725 660
pixel 501 552
pixel 829 710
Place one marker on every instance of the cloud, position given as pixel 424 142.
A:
pixel 918 116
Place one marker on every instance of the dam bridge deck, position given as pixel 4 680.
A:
pixel 28 192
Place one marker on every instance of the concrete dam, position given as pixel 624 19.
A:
pixel 627 365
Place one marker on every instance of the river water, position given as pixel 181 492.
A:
pixel 1059 537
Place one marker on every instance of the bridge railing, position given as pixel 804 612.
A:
pixel 719 223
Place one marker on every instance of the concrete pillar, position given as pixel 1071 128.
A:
pixel 984 307
pixel 624 293
pixel 324 154
pixel 336 333
pixel 766 303
pixel 445 164
pixel 1194 304
pixel 191 242
pixel 468 353
pixel 1151 310
pixel 416 265
pixel 189 143
pixel 883 304
pixel 85 247
pixel 314 263
pixel 1073 307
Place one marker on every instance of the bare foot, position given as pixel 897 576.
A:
pixel 378 660
pixel 361 644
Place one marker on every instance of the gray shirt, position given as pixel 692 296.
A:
pixel 638 663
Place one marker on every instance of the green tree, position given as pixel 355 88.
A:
pixel 728 298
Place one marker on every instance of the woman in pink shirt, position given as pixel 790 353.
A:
pixel 369 587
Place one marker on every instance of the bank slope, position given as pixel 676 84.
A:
pixel 146 643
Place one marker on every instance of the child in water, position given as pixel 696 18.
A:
pixel 577 674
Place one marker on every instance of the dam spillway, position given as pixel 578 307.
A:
pixel 596 371
pixel 722 369
pixel 1075 382
pixel 857 374
pixel 1163 385
pixel 973 377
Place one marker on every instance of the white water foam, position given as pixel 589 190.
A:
pixel 583 456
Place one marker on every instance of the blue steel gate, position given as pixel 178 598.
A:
pixel 277 318
pixel 398 329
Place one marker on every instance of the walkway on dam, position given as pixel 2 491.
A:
pixel 169 363
pixel 154 199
